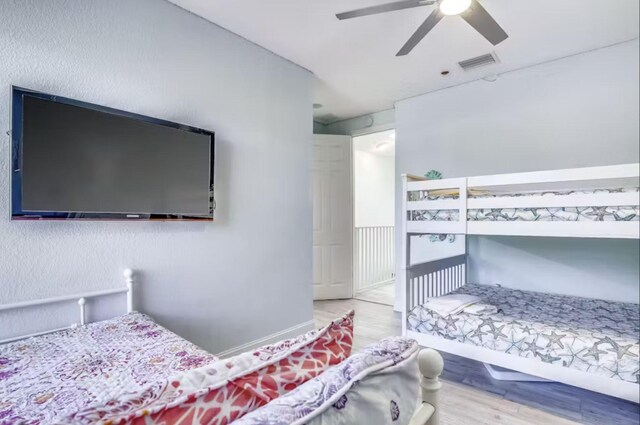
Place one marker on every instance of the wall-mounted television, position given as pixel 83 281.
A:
pixel 76 160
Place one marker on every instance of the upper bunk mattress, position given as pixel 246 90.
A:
pixel 49 377
pixel 590 335
pixel 593 213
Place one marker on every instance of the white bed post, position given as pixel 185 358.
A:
pixel 128 274
pixel 431 366
pixel 82 302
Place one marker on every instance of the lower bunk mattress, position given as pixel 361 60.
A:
pixel 590 335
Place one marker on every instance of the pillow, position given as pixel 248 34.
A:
pixel 480 308
pixel 450 304
pixel 376 387
pixel 227 389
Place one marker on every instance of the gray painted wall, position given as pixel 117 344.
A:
pixel 574 112
pixel 241 278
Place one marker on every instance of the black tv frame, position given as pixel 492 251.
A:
pixel 17 213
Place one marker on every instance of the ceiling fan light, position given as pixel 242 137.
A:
pixel 454 7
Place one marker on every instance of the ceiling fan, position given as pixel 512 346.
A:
pixel 469 10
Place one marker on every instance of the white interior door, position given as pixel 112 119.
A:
pixel 332 218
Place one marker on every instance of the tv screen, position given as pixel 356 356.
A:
pixel 74 160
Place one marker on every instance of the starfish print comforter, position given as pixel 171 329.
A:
pixel 590 335
pixel 606 213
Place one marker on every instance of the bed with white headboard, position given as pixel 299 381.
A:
pixel 599 348
pixel 50 374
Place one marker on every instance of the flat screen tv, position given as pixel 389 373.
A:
pixel 76 160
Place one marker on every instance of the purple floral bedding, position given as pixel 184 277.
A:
pixel 47 378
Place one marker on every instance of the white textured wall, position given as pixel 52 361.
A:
pixel 374 189
pixel 241 278
pixel 575 112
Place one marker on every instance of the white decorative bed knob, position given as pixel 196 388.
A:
pixel 431 363
pixel 128 274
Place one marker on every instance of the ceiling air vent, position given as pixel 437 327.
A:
pixel 478 61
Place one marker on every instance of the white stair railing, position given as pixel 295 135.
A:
pixel 375 257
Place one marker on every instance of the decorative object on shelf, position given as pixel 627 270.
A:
pixel 433 175
pixel 442 237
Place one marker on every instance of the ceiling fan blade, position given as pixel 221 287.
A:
pixel 421 32
pixel 478 17
pixel 383 8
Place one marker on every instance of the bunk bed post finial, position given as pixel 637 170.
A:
pixel 128 275
pixel 431 366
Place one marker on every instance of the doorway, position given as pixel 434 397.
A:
pixel 353 217
pixel 374 217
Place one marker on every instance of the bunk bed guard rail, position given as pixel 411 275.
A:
pixel 434 279
pixel 430 197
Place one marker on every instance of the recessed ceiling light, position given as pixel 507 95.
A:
pixel 382 146
pixel 454 7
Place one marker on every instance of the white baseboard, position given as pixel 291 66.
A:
pixel 269 339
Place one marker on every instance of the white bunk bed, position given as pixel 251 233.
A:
pixel 595 202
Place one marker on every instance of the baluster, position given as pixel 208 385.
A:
pixel 446 281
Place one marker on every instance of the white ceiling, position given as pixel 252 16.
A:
pixel 355 62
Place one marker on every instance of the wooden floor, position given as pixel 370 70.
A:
pixel 469 396
pixel 383 294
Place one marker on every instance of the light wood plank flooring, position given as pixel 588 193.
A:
pixel 383 294
pixel 460 404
